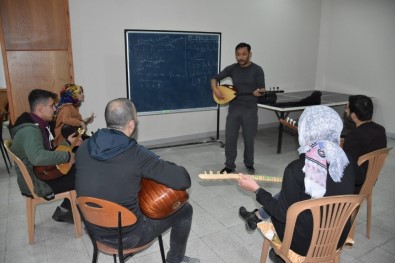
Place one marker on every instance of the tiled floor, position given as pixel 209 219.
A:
pixel 218 234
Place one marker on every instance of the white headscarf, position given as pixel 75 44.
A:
pixel 319 131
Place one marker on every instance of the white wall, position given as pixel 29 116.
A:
pixel 339 45
pixel 357 53
pixel 284 35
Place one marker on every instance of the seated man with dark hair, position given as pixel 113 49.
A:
pixel 33 144
pixel 366 137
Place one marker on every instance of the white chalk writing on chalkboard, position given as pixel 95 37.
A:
pixel 171 70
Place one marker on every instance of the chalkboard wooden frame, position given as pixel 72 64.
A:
pixel 170 71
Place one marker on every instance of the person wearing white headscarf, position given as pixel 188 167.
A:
pixel 322 169
pixel 319 138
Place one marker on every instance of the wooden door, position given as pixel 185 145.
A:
pixel 36 47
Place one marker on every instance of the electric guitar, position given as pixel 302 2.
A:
pixel 51 172
pixel 230 93
pixel 157 201
pixel 225 176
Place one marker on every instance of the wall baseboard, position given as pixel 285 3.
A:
pixel 195 137
pixel 391 135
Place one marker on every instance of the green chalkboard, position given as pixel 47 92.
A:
pixel 169 71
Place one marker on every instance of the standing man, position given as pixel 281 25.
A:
pixel 366 137
pixel 32 143
pixel 247 77
pixel 111 164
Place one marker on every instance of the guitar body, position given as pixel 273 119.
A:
pixel 47 173
pixel 64 168
pixel 228 92
pixel 52 172
pixel 157 201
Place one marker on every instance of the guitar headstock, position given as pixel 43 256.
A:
pixel 290 123
pixel 275 90
pixel 80 131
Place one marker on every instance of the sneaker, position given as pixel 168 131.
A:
pixel 274 257
pixel 227 170
pixel 249 217
pixel 61 216
pixel 250 169
pixel 190 260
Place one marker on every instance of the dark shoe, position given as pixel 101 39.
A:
pixel 61 216
pixel 227 170
pixel 274 257
pixel 250 169
pixel 249 217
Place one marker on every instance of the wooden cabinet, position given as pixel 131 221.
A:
pixel 36 47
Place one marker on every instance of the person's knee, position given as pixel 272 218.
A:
pixel 188 210
pixel 184 215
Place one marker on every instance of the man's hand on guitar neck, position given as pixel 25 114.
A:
pixel 259 92
pixel 247 183
pixel 72 137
